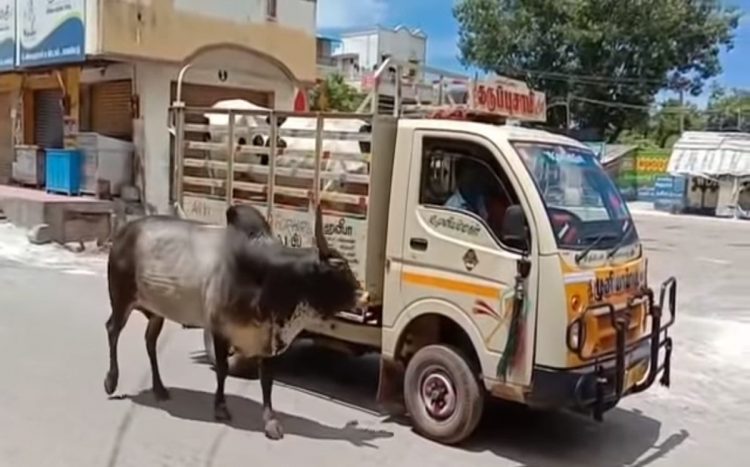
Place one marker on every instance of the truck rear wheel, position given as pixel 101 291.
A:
pixel 442 394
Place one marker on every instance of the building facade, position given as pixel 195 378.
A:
pixel 111 66
pixel 357 54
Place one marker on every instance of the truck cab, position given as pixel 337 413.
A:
pixel 497 261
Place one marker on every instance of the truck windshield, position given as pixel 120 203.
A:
pixel 583 204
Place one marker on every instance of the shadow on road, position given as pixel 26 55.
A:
pixel 195 405
pixel 510 431
pixel 559 439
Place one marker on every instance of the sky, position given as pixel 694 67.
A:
pixel 435 18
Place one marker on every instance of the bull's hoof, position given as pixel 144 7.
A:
pixel 110 383
pixel 274 430
pixel 221 414
pixel 161 393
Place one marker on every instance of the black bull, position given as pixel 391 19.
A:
pixel 250 291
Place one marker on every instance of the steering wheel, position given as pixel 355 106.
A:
pixel 561 218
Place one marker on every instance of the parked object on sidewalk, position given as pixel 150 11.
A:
pixel 103 189
pixel 105 158
pixel 63 171
pixel 40 234
pixel 29 166
pixel 130 193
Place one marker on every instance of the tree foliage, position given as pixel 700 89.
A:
pixel 335 94
pixel 728 109
pixel 662 128
pixel 616 51
pixel 664 125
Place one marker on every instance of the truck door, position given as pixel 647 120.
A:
pixel 452 251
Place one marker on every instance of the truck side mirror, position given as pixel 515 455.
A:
pixel 515 230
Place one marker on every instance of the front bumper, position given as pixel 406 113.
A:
pixel 630 368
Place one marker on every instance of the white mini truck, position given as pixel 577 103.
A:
pixel 497 260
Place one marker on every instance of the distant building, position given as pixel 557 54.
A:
pixel 356 54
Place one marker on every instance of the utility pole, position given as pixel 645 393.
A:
pixel 682 109
pixel 739 119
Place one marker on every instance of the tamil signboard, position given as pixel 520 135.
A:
pixel 508 98
pixel 7 34
pixel 50 31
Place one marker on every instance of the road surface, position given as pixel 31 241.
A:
pixel 54 412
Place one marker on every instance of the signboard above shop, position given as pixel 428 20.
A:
pixel 7 34
pixel 45 32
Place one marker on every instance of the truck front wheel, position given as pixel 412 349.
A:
pixel 443 394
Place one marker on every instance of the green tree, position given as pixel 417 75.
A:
pixel 664 125
pixel 613 51
pixel 335 94
pixel 728 109
pixel 662 128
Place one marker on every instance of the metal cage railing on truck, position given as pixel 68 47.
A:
pixel 280 161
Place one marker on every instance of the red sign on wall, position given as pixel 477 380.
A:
pixel 300 101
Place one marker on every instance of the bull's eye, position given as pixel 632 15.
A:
pixel 337 262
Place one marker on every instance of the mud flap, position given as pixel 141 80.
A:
pixel 390 395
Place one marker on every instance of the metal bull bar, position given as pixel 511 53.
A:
pixel 620 322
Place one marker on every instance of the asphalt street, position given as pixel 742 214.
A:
pixel 54 412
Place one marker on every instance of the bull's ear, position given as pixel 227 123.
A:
pixel 320 238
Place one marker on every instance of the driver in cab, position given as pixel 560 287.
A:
pixel 478 192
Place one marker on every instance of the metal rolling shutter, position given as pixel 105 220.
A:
pixel 111 109
pixel 48 118
pixel 6 138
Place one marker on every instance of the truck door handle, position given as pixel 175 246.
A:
pixel 418 244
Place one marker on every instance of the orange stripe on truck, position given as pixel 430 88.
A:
pixel 451 285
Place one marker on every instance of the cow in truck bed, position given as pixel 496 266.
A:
pixel 250 291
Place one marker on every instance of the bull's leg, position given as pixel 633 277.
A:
pixel 155 324
pixel 120 312
pixel 221 354
pixel 273 428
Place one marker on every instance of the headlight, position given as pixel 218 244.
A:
pixel 576 335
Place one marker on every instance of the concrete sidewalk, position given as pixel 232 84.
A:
pixel 15 247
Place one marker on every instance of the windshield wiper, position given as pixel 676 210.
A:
pixel 591 246
pixel 621 242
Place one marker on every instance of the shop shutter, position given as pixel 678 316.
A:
pixel 48 118
pixel 6 138
pixel 111 109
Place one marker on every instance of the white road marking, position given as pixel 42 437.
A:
pixel 714 260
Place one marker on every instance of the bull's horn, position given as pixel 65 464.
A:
pixel 320 238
